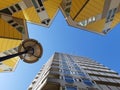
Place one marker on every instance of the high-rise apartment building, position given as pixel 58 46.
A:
pixel 68 72
pixel 98 16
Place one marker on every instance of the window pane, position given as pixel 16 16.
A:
pixel 34 3
pixel 18 7
pixel 69 79
pixel 81 74
pixel 6 11
pixel 71 88
pixel 87 82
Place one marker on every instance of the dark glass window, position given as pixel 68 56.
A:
pixel 43 9
pixel 70 88
pixel 107 30
pixel 109 14
pixel 34 3
pixel 38 10
pixel 10 21
pixel 6 11
pixel 40 3
pixel 18 7
pixel 48 20
pixel 14 25
pixel 13 9
pixel 69 3
pixel 67 10
pixel 20 29
pixel 114 11
pixel 69 79
pixel 87 82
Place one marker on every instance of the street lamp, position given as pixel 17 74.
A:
pixel 29 51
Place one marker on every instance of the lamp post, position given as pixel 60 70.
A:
pixel 29 51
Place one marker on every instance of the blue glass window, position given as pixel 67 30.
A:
pixel 64 63
pixel 65 67
pixel 77 68
pixel 70 88
pixel 69 79
pixel 87 82
pixel 66 71
pixel 81 74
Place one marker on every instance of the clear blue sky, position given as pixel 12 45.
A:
pixel 63 38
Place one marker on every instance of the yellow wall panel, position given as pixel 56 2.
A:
pixel 19 15
pixel 97 26
pixel 1 70
pixel 93 8
pixel 28 14
pixel 76 6
pixel 51 7
pixel 31 15
pixel 8 31
pixel 6 3
pixel 6 44
pixel 11 62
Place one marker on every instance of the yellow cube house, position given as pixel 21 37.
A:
pixel 98 16
pixel 13 17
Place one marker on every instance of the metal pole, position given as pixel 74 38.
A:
pixel 11 56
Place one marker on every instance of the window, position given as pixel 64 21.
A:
pixel 114 11
pixel 87 82
pixel 70 88
pixel 30 88
pixel 66 71
pixel 18 7
pixel 69 3
pixel 6 53
pixel 14 25
pixel 110 15
pixel 69 79
pixel 13 9
pixel 65 67
pixel 67 10
pixel 34 3
pixel 33 82
pixel 6 11
pixel 20 29
pixel 86 22
pixel 10 21
pixel 38 10
pixel 81 74
pixel 42 9
pixel 46 21
pixel 106 31
pixel 9 69
pixel 77 68
pixel 40 3
pixel 64 63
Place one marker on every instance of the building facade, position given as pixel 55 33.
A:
pixel 40 12
pixel 98 16
pixel 68 72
